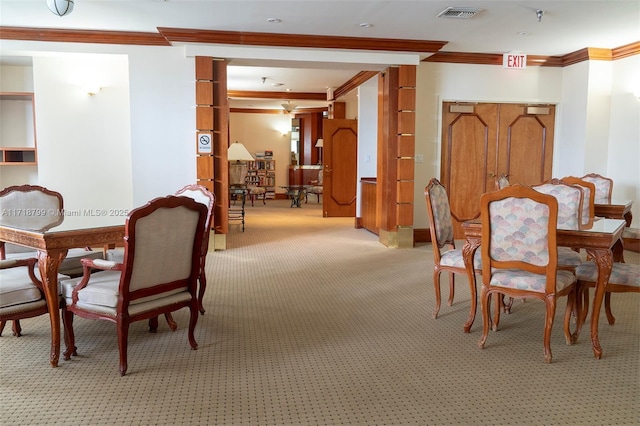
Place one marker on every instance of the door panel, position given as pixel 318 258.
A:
pixel 525 144
pixel 468 159
pixel 340 145
pixel 482 141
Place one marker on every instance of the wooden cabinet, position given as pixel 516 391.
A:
pixel 262 172
pixel 17 129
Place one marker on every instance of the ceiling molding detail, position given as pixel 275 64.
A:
pixel 278 111
pixel 83 36
pixel 300 96
pixel 491 59
pixel 185 35
pixel 353 83
pixel 586 54
pixel 626 50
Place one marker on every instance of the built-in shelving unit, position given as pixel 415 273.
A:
pixel 17 129
pixel 262 172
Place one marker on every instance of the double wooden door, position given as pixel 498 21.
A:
pixel 482 141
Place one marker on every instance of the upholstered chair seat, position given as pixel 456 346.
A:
pixel 21 294
pixel 317 188
pixel 257 192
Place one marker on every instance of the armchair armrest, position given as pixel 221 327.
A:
pixel 87 266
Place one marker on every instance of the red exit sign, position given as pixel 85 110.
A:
pixel 514 61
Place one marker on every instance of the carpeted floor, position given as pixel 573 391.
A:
pixel 312 322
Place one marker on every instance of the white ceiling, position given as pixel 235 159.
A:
pixel 567 26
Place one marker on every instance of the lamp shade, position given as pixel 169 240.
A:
pixel 320 143
pixel 60 7
pixel 237 152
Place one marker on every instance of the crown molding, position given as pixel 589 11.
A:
pixel 301 96
pixel 83 36
pixel 586 54
pixel 353 83
pixel 186 35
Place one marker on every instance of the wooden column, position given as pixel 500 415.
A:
pixel 212 117
pixel 396 152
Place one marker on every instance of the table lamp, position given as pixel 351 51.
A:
pixel 238 157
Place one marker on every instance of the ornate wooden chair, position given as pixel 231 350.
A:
pixel 502 181
pixel 162 261
pixel 604 187
pixel 519 255
pixel 38 208
pixel 202 195
pixel 625 278
pixel 450 259
pixel 588 205
pixel 570 207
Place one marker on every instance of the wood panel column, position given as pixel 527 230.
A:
pixel 212 118
pixel 396 152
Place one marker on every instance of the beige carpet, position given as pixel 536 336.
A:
pixel 312 322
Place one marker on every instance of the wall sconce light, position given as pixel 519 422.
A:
pixel 60 7
pixel 91 90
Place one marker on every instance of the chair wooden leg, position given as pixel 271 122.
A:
pixel 153 325
pixel 550 301
pixel 203 286
pixel 69 336
pixel 607 308
pixel 17 330
pixel 2 324
pixel 568 312
pixel 170 321
pixel 123 336
pixel 452 288
pixel 484 303
pixel 436 284
pixel 193 320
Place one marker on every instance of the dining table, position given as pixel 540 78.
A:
pixel 66 230
pixel 615 209
pixel 600 239
pixel 296 193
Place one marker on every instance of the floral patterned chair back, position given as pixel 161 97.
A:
pixel 570 202
pixel 604 187
pixel 589 190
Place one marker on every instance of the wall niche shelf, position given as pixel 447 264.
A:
pixel 18 135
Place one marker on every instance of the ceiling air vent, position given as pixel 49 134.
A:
pixel 459 12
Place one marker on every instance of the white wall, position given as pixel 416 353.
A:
pixel 163 123
pixel 623 161
pixel 597 120
pixel 260 132
pixel 367 133
pixel 440 82
pixel 84 142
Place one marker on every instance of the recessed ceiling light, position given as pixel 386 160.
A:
pixel 277 84
pixel 274 20
pixel 523 33
pixel 366 25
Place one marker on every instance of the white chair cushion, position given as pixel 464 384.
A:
pixel 102 291
pixel 454 258
pixel 115 255
pixel 16 287
pixel 71 264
